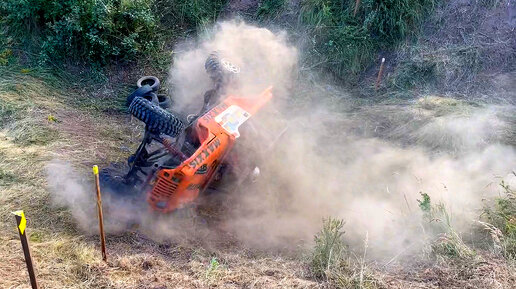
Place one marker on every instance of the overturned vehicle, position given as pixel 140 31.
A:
pixel 179 158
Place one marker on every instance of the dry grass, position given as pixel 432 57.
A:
pixel 64 256
pixel 491 272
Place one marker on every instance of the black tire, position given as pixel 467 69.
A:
pixel 213 67
pixel 112 179
pixel 156 118
pixel 164 101
pixel 139 92
pixel 216 69
pixel 152 81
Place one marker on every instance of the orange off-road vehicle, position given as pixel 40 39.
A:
pixel 178 158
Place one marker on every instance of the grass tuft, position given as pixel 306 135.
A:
pixel 329 249
pixel 500 222
pixel 446 243
pixel 330 259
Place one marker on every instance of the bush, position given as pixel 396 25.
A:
pixel 188 15
pixel 347 43
pixel 92 30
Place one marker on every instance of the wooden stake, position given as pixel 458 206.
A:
pixel 99 209
pixel 379 78
pixel 21 222
pixel 357 3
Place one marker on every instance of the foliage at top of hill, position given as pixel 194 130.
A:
pixel 98 32
pixel 347 38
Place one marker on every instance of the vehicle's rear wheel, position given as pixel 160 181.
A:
pixel 156 118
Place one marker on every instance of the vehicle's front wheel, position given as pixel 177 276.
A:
pixel 220 69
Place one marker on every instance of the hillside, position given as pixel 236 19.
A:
pixel 406 185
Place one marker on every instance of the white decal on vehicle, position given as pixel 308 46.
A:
pixel 231 118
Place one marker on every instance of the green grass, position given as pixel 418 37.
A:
pixel 21 116
pixel 345 43
pixel 187 15
pixel 425 68
pixel 8 112
pixel 32 132
pixel 501 221
pixel 329 249
pixel 7 178
pixel 97 105
pixel 268 9
pixel 330 260
pixel 445 242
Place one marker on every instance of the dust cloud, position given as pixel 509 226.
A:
pixel 70 189
pixel 328 163
pixel 265 59
pixel 320 154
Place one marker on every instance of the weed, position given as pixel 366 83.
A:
pixel 500 220
pixel 213 271
pixel 425 205
pixel 446 243
pixel 329 251
pixel 330 260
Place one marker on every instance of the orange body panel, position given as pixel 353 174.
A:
pixel 217 130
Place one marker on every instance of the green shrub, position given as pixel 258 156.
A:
pixel 329 250
pixel 330 259
pixel 347 43
pixel 188 15
pixel 94 30
pixel 501 218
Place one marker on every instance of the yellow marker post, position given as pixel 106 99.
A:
pixel 99 209
pixel 21 222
